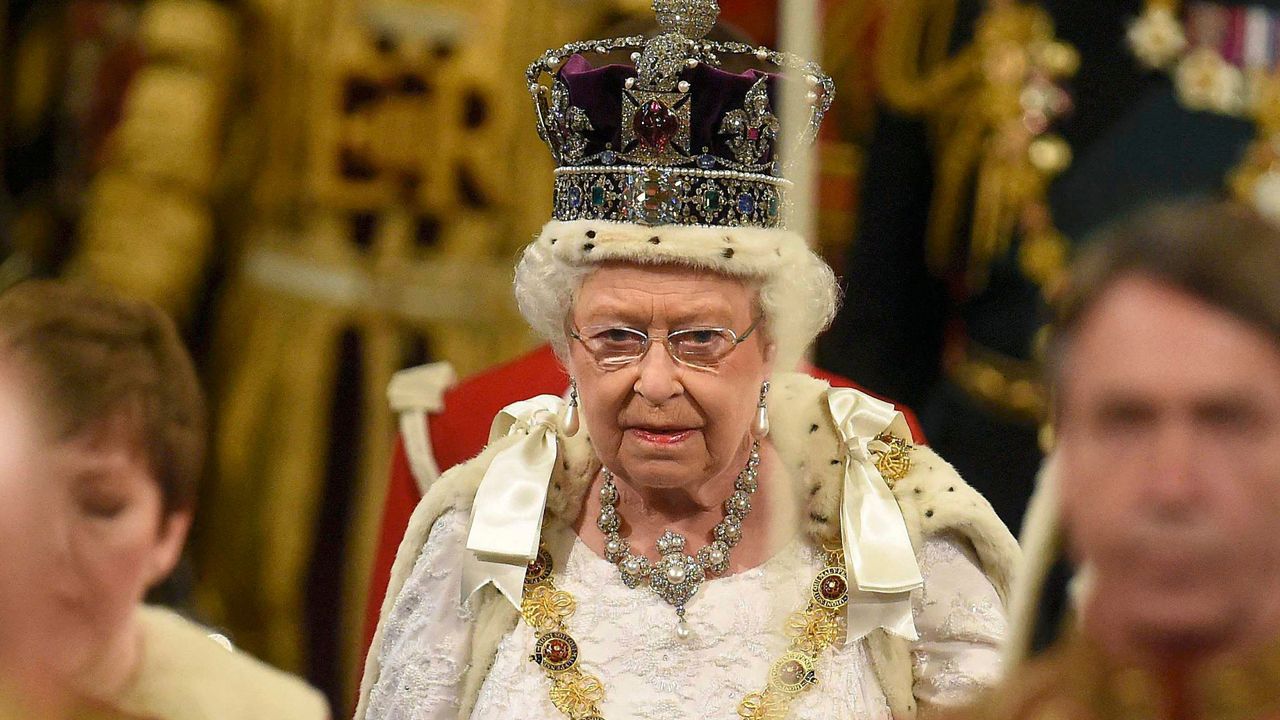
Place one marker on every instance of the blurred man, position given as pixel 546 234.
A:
pixel 1008 133
pixel 1166 367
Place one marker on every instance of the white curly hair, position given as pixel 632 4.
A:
pixel 797 291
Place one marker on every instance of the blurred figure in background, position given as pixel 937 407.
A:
pixel 64 67
pixel 102 438
pixel 1166 372
pixel 332 189
pixel 1008 132
pixel 326 185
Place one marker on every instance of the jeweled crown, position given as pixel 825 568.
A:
pixel 672 137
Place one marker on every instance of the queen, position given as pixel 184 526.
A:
pixel 697 532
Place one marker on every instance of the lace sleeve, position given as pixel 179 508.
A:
pixel 423 650
pixel 961 623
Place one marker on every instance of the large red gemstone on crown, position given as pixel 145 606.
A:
pixel 655 125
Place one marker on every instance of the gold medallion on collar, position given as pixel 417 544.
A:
pixel 894 459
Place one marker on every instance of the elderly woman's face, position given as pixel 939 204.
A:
pixel 81 537
pixel 657 422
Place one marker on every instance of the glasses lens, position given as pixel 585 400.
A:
pixel 701 346
pixel 616 344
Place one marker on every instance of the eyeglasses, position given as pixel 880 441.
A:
pixel 614 346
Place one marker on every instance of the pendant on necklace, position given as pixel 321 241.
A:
pixel 676 577
pixel 682 626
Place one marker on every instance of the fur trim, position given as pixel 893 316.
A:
pixel 184 674
pixel 934 501
pixel 735 251
pixel 933 498
pixel 891 661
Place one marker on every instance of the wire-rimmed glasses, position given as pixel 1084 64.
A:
pixel 614 346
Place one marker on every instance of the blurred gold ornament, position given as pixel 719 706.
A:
pixel 1206 81
pixel 792 674
pixel 1265 195
pixel 1050 154
pixel 1043 257
pixel 1057 58
pixel 1157 37
pixel 1021 96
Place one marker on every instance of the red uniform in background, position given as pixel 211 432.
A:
pixel 461 430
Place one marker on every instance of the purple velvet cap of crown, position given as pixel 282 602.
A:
pixel 714 94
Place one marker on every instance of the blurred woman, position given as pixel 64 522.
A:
pixel 102 437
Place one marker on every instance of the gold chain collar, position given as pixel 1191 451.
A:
pixel 579 694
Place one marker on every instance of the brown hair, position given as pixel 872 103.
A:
pixel 1222 253
pixel 94 356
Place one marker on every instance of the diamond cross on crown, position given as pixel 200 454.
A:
pixel 691 18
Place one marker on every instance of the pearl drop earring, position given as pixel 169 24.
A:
pixel 570 422
pixel 761 427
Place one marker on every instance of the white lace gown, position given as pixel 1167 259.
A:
pixel 627 639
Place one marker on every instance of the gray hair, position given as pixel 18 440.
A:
pixel 798 299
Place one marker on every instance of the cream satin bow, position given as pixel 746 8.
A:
pixel 879 559
pixel 506 517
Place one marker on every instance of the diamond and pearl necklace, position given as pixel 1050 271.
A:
pixel 677 577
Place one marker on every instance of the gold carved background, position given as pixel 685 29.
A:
pixel 353 180
pixel 323 191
